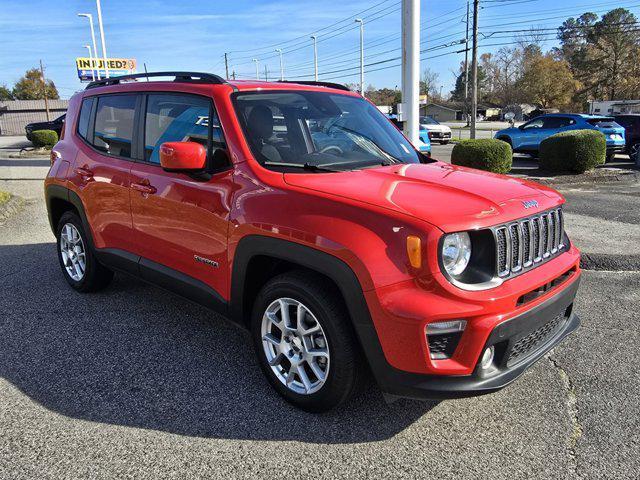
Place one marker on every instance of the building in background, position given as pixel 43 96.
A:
pixel 614 107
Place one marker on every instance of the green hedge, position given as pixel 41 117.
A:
pixel 575 151
pixel 44 138
pixel 484 154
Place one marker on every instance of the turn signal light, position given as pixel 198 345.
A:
pixel 414 251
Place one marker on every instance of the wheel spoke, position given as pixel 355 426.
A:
pixel 317 371
pixel 276 360
pixel 284 313
pixel 304 378
pixel 318 353
pixel 269 337
pixel 291 376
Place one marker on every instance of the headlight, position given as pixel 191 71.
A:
pixel 456 252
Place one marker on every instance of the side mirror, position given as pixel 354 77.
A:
pixel 183 156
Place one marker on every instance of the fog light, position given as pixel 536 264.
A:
pixel 487 358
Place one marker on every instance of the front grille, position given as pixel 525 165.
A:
pixel 534 340
pixel 526 243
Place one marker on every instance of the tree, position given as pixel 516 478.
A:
pixel 429 83
pixel 547 82
pixel 30 87
pixel 5 93
pixel 384 96
pixel 603 54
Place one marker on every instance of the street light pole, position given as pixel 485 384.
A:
pixel 315 57
pixel 93 40
pixel 361 22
pixel 104 46
pixel 279 50
pixel 411 67
pixel 93 72
pixel 257 68
pixel 466 69
pixel 474 71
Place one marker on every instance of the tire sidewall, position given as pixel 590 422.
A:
pixel 74 220
pixel 331 392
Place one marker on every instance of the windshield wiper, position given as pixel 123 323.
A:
pixel 389 158
pixel 305 166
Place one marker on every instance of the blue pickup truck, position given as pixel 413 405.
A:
pixel 527 137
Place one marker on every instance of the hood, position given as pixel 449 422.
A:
pixel 508 131
pixel 449 197
pixel 434 128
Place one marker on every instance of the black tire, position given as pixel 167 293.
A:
pixel 610 157
pixel 633 151
pixel 96 276
pixel 346 369
pixel 444 142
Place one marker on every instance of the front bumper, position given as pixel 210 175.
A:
pixel 519 342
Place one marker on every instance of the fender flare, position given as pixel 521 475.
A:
pixel 63 193
pixel 330 266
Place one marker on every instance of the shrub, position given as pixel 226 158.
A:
pixel 484 154
pixel 574 151
pixel 44 138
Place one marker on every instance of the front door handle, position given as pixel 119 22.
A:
pixel 144 187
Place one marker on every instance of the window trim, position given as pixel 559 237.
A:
pixel 92 125
pixel 141 129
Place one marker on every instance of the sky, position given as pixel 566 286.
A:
pixel 193 35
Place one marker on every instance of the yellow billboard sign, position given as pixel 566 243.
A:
pixel 85 63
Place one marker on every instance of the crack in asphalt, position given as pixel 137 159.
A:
pixel 572 410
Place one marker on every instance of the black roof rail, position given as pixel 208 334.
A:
pixel 198 77
pixel 338 86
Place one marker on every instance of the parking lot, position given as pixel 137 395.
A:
pixel 133 381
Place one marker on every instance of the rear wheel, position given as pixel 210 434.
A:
pixel 303 340
pixel 79 265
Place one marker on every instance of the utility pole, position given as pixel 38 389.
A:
pixel 233 74
pixel 361 22
pixel 104 46
pixel 315 57
pixel 44 91
pixel 257 68
pixel 226 66
pixel 411 67
pixel 266 73
pixel 466 69
pixel 279 50
pixel 474 71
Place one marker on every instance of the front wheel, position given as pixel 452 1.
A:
pixel 302 337
pixel 634 150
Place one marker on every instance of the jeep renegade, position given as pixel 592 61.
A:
pixel 300 212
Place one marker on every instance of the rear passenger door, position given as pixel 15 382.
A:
pixel 180 221
pixel 101 173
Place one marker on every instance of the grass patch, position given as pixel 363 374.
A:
pixel 4 197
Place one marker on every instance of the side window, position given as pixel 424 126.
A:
pixel 558 122
pixel 113 131
pixel 178 118
pixel 85 115
pixel 537 123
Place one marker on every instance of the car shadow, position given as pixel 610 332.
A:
pixel 527 165
pixel 137 356
pixel 27 162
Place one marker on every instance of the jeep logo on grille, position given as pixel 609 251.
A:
pixel 529 203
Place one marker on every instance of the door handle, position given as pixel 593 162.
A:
pixel 144 187
pixel 84 172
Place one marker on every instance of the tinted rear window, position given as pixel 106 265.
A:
pixel 85 115
pixel 598 122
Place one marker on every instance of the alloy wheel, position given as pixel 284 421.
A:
pixel 73 252
pixel 295 346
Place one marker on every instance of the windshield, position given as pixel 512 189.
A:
pixel 320 129
pixel 428 121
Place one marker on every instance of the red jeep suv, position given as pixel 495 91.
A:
pixel 300 212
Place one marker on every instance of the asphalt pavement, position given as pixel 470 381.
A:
pixel 134 382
